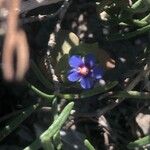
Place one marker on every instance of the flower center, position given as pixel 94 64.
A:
pixel 84 70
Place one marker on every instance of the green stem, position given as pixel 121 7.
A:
pixel 57 141
pixel 56 138
pixel 54 109
pixel 91 92
pixel 82 95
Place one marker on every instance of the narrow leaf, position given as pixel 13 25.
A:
pixel 48 145
pixel 122 36
pixel 139 143
pixel 12 125
pixel 39 93
pixel 88 145
pixel 53 129
pixel 99 90
pixel 91 92
pixel 133 95
pixel 84 94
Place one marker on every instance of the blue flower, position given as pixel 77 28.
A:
pixel 84 70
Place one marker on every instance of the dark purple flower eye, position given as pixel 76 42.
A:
pixel 84 70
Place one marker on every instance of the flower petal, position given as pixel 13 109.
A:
pixel 97 72
pixel 75 61
pixel 73 76
pixel 86 83
pixel 90 59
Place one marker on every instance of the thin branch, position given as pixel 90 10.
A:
pixel 52 42
pixel 39 17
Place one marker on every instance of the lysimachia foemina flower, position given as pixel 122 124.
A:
pixel 84 70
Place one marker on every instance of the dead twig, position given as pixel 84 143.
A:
pixel 52 43
pixel 39 17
